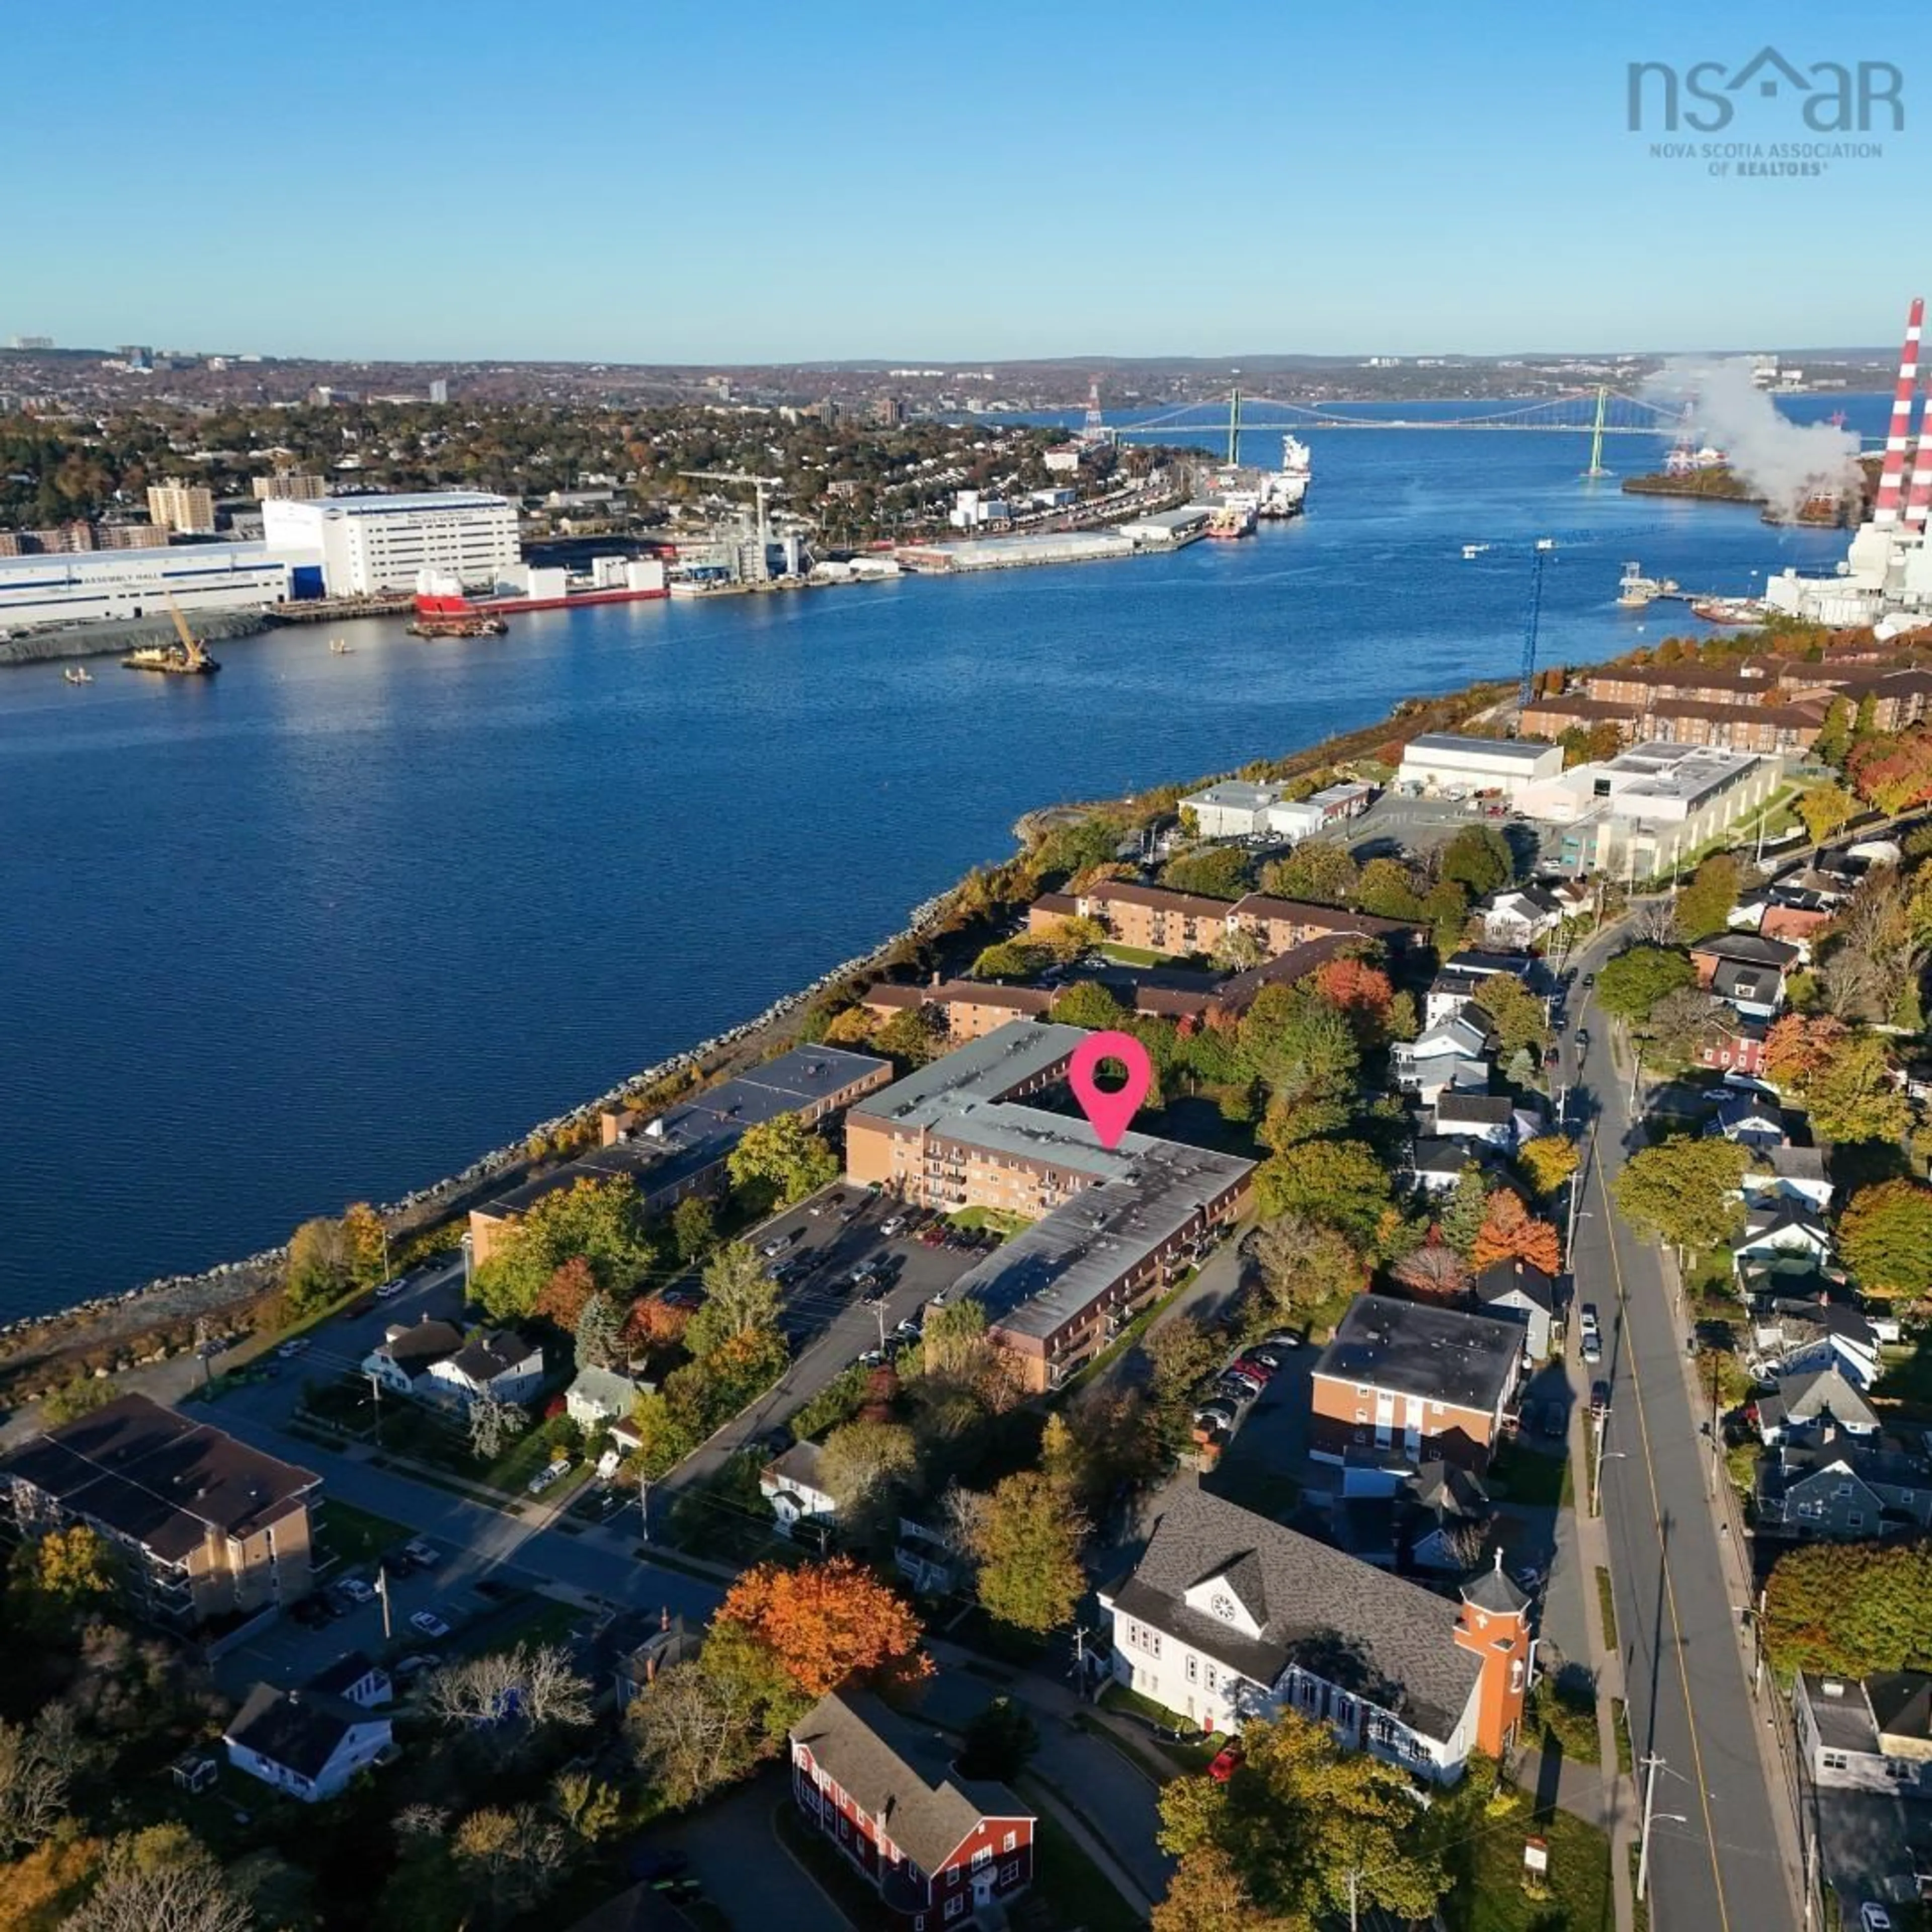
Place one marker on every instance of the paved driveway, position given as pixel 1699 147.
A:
pixel 748 1875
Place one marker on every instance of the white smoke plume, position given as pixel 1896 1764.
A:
pixel 1783 461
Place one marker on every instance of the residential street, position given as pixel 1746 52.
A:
pixel 1721 1856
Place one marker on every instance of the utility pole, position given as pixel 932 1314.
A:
pixel 1601 1422
pixel 1643 1842
pixel 383 1591
pixel 1636 1067
pixel 376 1396
pixel 1570 1232
pixel 1354 1902
pixel 201 1349
pixel 643 1506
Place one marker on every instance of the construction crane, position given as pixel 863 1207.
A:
pixel 761 483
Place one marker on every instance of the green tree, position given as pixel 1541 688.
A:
pixel 1386 891
pixel 1219 873
pixel 740 1298
pixel 1465 1211
pixel 1478 858
pixel 1515 1011
pixel 1851 1096
pixel 598 1331
pixel 1319 870
pixel 1704 905
pixel 999 1740
pixel 1088 1003
pixel 786 1153
pixel 1632 982
pixel 1302 1264
pixel 1885 1236
pixel 1848 1610
pixel 1685 1192
pixel 1834 737
pixel 1011 959
pixel 316 1271
pixel 1028 1549
pixel 601 1223
pixel 1179 1352
pixel 1339 1183
pixel 912 1036
pixel 693 1227
pixel 1302 1831
pixel 1303 1050
pixel 81 1396
pixel 953 1340
pixel 862 1461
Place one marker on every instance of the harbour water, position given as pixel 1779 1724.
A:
pixel 330 925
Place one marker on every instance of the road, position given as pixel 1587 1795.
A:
pixel 1716 1860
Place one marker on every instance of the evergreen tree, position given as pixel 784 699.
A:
pixel 1462 1219
pixel 598 1331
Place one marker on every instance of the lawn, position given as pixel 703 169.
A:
pixel 1907 1375
pixel 1528 1476
pixel 353 1535
pixel 1567 1713
pixel 1488 1895
pixel 849 1892
pixel 1002 1222
pixel 1070 1882
pixel 1193 1752
pixel 1607 1608
pixel 1133 956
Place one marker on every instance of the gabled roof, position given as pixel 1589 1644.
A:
pixel 900 1774
pixel 339 1678
pixel 1767 1220
pixel 1388 1640
pixel 1813 1393
pixel 616 1394
pixel 1474 960
pixel 414 1346
pixel 1504 1278
pixel 1525 898
pixel 1750 948
pixel 300 1729
pixel 1487 1110
pixel 490 1353
pixel 1901 1703
pixel 1736 980
pixel 797 1467
pixel 1432 1153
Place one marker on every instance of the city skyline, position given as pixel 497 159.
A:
pixel 895 190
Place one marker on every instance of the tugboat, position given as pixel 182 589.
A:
pixel 78 674
pixel 188 658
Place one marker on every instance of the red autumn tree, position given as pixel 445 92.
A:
pixel 1510 1233
pixel 1893 773
pixel 1796 1048
pixel 1435 1270
pixel 826 1624
pixel 653 1324
pixel 561 1299
pixel 1362 992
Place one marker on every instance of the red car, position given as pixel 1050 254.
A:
pixel 1249 1366
pixel 1227 1761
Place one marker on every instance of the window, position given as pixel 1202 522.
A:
pixel 1193 1668
pixel 1833 1760
pixel 982 1857
pixel 954 1906
pixel 1223 1607
pixel 1213 1676
pixel 952 1874
pixel 1012 1842
pixel 1010 1874
pixel 1901 1773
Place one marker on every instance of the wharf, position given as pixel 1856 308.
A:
pixel 336 610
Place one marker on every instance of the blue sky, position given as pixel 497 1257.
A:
pixel 656 180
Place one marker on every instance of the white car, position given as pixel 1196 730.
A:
pixel 429 1623
pixel 294 1348
pixel 390 1288
pixel 545 1476
pixel 896 1225
pixel 426 1554
pixel 1872 1917
pixel 356 1591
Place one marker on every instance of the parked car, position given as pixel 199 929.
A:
pixel 778 1244
pixel 1589 980
pixel 1600 1398
pixel 1586 1318
pixel 1270 1354
pixel 550 1473
pixel 426 1554
pixel 895 1225
pixel 682 1296
pixel 356 1590
pixel 1252 1364
pixel 429 1623
pixel 1593 1348
pixel 1551 1056
pixel 1282 1339
pixel 414 1665
pixel 1216 1415
pixel 310 1611
pixel 293 1347
pixel 1237 1389
pixel 1226 1761
pixel 387 1290
pixel 1872 1917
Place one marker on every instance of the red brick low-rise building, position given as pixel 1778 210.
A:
pixel 882 1790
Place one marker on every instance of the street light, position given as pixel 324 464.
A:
pixel 1596 1478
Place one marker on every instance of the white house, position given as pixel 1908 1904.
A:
pixel 1454 1052
pixel 599 1397
pixel 1300 818
pixel 1782 1228
pixel 1750 1120
pixel 1789 1173
pixel 307 1743
pixel 791 1484
pixel 1229 1616
pixel 1806 1404
pixel 510 1366
pixel 1522 916
pixel 1873 1734
pixel 1516 1291
pixel 354 1676
pixel 1435 1164
pixel 408 1351
pixel 1234 808
pixel 1487 1119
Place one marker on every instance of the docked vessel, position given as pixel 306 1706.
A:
pixel 1729 610
pixel 78 674
pixel 187 659
pixel 1282 491
pixel 610 580
pixel 432 620
pixel 1231 518
pixel 1635 590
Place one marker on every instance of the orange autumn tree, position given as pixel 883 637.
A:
pixel 653 1324
pixel 561 1299
pixel 1796 1048
pixel 825 1624
pixel 1362 992
pixel 1511 1233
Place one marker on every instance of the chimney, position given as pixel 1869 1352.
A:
pixel 1892 477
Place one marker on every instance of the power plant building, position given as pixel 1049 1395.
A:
pixel 382 545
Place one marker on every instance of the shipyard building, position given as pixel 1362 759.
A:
pixel 87 586
pixel 380 546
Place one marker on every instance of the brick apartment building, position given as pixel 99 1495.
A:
pixel 207 1529
pixel 1414 1381
pixel 1111 1226
pixel 1766 729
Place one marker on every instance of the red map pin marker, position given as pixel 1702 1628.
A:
pixel 1110 1113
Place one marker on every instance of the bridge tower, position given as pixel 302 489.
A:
pixel 1596 468
pixel 1095 427
pixel 1234 424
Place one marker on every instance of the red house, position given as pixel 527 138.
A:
pixel 882 1790
pixel 1739 1049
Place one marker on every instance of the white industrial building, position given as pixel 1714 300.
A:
pixel 369 546
pixel 84 586
pixel 1440 762
pixel 1300 818
pixel 1648 809
pixel 1232 809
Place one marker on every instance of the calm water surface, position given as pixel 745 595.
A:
pixel 327 927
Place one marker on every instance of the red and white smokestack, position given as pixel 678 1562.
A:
pixel 1918 496
pixel 1891 477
